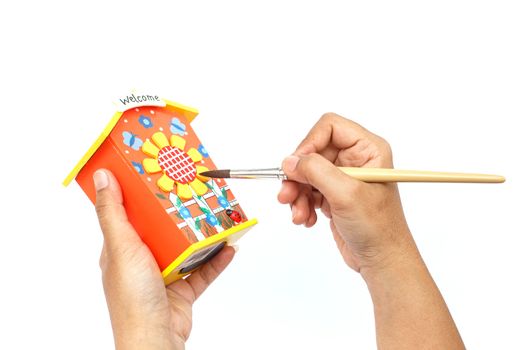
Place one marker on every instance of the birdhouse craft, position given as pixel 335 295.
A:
pixel 183 217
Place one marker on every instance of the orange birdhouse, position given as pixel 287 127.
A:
pixel 184 218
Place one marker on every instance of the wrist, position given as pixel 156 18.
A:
pixel 400 279
pixel 388 250
pixel 392 261
pixel 144 337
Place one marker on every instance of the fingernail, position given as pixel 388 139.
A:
pixel 100 180
pixel 290 163
pixel 282 188
pixel 294 212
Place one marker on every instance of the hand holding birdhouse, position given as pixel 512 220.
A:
pixel 370 230
pixel 144 311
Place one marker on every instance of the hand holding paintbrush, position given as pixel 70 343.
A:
pixel 368 225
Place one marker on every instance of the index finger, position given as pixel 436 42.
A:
pixel 331 134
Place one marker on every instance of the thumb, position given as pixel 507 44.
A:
pixel 110 210
pixel 317 171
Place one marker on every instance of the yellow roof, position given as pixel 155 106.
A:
pixel 189 112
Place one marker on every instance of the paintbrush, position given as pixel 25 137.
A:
pixel 364 174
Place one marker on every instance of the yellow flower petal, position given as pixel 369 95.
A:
pixel 151 166
pixel 195 155
pixel 201 169
pixel 160 139
pixel 199 187
pixel 150 149
pixel 177 141
pixel 184 191
pixel 165 183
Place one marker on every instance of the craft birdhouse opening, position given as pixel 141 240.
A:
pixel 183 217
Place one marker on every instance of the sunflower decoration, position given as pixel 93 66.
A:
pixel 178 166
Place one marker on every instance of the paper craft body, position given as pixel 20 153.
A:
pixel 157 157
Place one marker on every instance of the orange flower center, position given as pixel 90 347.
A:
pixel 177 165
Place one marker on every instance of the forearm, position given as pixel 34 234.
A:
pixel 410 312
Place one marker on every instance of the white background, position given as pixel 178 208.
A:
pixel 443 81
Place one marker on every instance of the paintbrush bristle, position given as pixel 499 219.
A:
pixel 221 174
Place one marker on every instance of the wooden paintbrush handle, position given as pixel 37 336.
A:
pixel 395 175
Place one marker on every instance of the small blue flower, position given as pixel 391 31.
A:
pixel 212 220
pixel 177 127
pixel 223 202
pixel 185 213
pixel 138 167
pixel 145 121
pixel 203 151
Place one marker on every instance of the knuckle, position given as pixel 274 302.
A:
pixel 313 158
pixel 106 211
pixel 385 151
pixel 330 116
pixel 310 162
pixel 104 220
pixel 387 148
pixel 102 208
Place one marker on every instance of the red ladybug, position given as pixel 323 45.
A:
pixel 234 215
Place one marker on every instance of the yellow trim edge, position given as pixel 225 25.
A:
pixel 189 112
pixel 222 236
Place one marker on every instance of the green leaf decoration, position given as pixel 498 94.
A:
pixel 198 224
pixel 204 210
pixel 224 193
pixel 178 201
pixel 178 215
pixel 208 185
pixel 160 195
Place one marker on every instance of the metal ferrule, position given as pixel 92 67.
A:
pixel 271 173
